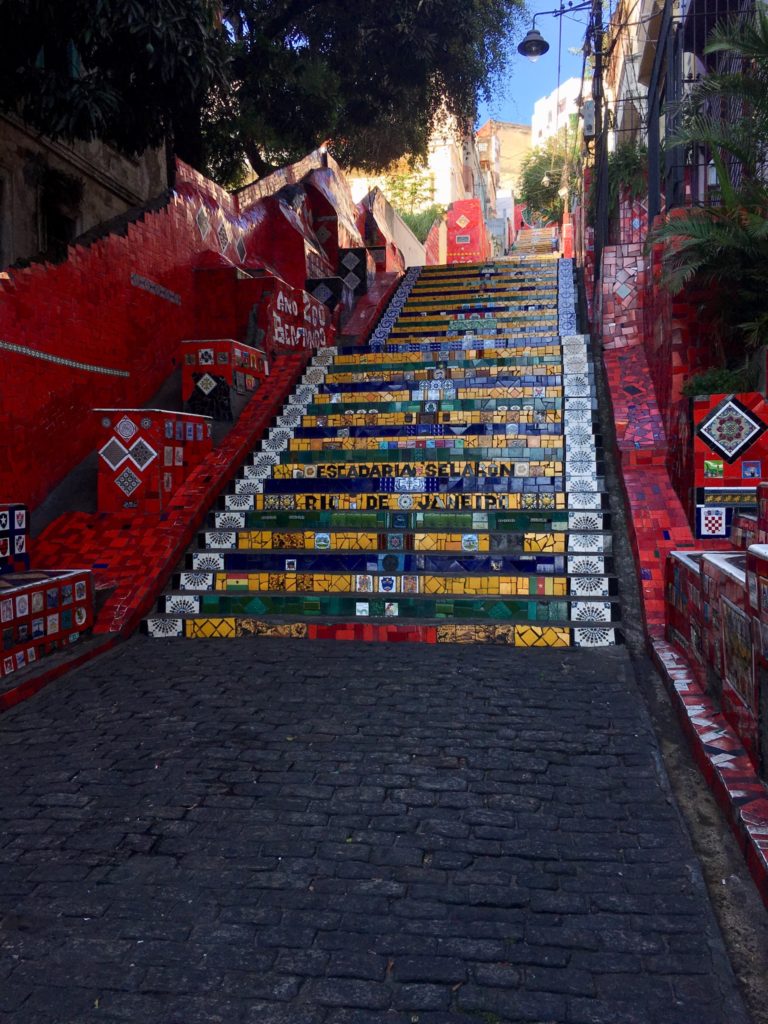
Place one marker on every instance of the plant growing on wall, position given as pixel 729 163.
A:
pixel 421 221
pixel 627 172
pixel 724 247
pixel 627 175
pixel 410 191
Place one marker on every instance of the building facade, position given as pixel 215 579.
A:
pixel 53 192
pixel 553 112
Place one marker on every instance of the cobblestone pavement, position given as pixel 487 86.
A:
pixel 283 833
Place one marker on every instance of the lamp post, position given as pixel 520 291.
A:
pixel 533 47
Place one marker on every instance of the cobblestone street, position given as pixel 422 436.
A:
pixel 288 833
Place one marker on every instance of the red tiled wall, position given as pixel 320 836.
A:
pixel 475 249
pixel 123 304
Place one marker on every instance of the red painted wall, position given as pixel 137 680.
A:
pixel 103 329
pixel 432 244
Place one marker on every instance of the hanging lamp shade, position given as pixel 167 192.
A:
pixel 533 46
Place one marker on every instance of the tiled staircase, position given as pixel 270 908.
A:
pixel 442 484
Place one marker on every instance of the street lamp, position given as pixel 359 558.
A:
pixel 532 47
pixel 535 45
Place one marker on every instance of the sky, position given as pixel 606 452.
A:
pixel 528 82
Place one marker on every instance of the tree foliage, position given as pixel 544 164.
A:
pixel 410 191
pixel 126 72
pixel 544 172
pixel 257 80
pixel 723 247
pixel 370 77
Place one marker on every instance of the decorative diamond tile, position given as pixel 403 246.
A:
pixel 127 482
pixel 114 453
pixel 350 260
pixel 242 252
pixel 351 281
pixel 126 428
pixel 462 221
pixel 142 453
pixel 203 222
pixel 206 384
pixel 223 236
pixel 322 292
pixel 730 429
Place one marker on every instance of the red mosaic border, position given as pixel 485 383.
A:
pixel 657 524
pixel 722 759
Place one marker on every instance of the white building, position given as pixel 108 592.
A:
pixel 553 112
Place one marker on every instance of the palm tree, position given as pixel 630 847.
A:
pixel 724 247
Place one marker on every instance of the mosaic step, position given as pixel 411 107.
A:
pixel 201 566
pixel 554 520
pixel 429 540
pixel 342 605
pixel 436 584
pixel 446 482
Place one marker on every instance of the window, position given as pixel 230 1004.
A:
pixel 59 199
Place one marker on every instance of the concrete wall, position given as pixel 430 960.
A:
pixel 103 184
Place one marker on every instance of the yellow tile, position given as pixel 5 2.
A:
pixel 542 636
pixel 206 628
